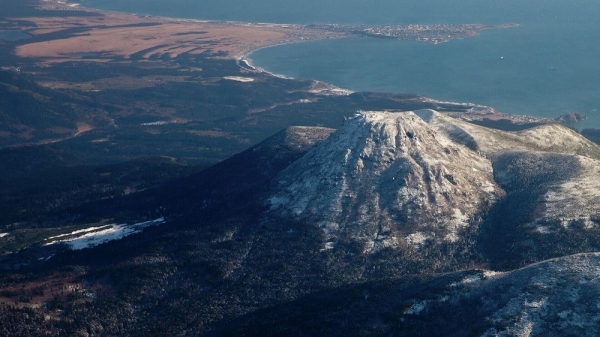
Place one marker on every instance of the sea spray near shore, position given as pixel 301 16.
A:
pixel 248 61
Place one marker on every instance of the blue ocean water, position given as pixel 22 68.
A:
pixel 547 66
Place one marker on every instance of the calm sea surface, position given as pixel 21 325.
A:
pixel 548 66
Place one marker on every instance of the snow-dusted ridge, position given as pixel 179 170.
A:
pixel 90 237
pixel 392 179
pixel 557 297
pixel 239 79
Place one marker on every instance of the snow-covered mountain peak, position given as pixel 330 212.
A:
pixel 386 179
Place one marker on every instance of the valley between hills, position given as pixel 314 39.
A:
pixel 153 184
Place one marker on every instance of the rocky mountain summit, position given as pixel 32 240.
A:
pixel 409 180
pixel 387 180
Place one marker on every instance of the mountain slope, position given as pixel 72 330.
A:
pixel 545 138
pixel 407 181
pixel 557 297
pixel 380 170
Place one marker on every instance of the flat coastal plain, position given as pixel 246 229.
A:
pixel 110 35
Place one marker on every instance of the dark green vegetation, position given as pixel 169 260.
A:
pixel 371 308
pixel 220 267
pixel 187 122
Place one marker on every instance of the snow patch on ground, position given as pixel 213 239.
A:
pixel 488 187
pixel 239 79
pixel 321 88
pixel 573 201
pixel 79 231
pixel 547 138
pixel 457 221
pixel 487 274
pixel 416 308
pixel 155 123
pixel 330 229
pixel 469 280
pixel 556 295
pixel 94 236
pixel 543 229
pixel 418 239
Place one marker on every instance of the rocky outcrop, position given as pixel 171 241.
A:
pixel 571 117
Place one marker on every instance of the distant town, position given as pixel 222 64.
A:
pixel 426 33
pixel 432 33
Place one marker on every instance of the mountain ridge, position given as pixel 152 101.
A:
pixel 389 167
pixel 253 234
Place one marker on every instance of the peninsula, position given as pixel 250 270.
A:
pixel 109 35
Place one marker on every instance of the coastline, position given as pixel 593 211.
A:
pixel 127 35
pixel 248 61
pixel 243 49
pixel 475 111
pixel 325 88
pixel 245 55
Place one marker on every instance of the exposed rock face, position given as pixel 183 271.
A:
pixel 550 157
pixel 387 180
pixel 551 178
